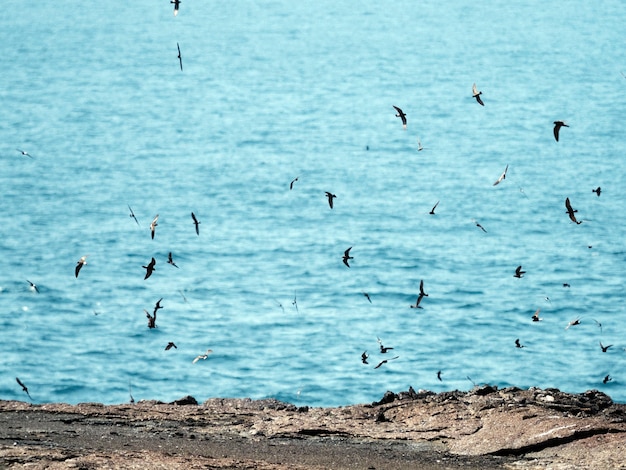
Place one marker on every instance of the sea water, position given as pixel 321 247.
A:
pixel 272 91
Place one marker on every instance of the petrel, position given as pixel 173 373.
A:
pixel 604 348
pixel 502 176
pixel 180 59
pixel 21 384
pixel 383 349
pixel 170 345
pixel 153 225
pixel 79 265
pixel 33 286
pixel 476 94
pixel 157 306
pixel 151 318
pixel 149 268
pixel 607 379
pixel 346 256
pixel 196 223
pixel 294 302
pixel 170 260
pixel 25 153
pixel 439 376
pixel 364 357
pixel 573 323
pixel 385 361
pixel 570 212
pixel 518 344
pixel 132 214
pixel 292 182
pixel 598 190
pixel 557 127
pixel 419 145
pixel 421 295
pixel 401 115
pixel 479 226
pixel 330 197
pixel 432 211
pixel 536 315
pixel 518 272
pixel 367 296
pixel 176 5
pixel 202 356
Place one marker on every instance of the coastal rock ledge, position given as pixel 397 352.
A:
pixel 484 428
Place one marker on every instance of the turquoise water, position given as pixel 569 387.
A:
pixel 271 91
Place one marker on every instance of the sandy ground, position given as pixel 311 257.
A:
pixel 482 429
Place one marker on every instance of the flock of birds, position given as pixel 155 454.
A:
pixel 346 257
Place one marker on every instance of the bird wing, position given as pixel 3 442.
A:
pixel 474 90
pixel 193 216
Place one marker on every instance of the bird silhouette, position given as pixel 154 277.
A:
pixel 557 128
pixel 518 344
pixel 79 265
pixel 421 295
pixel 479 226
pixel 25 153
pixel 364 357
pixel 439 376
pixel 432 211
pixel 598 191
pixel 502 176
pixel 24 388
pixel 419 145
pixel 401 115
pixel 346 257
pixel 574 322
pixel 535 316
pixel 158 306
pixel 292 182
pixel 132 214
pixel 176 6
pixel 180 58
pixel 149 269
pixel 330 197
pixel 383 349
pixel 33 286
pixel 476 94
pixel 170 260
pixel 571 212
pixel 196 223
pixel 606 379
pixel 604 348
pixel 385 361
pixel 151 318
pixel 170 345
pixel 518 272
pixel 367 296
pixel 153 225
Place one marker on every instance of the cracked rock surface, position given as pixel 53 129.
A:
pixel 485 428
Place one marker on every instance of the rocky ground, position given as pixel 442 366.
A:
pixel 485 428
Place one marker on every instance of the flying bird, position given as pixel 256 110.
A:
pixel 294 302
pixel 151 318
pixel 419 145
pixel 157 306
pixel 79 265
pixel 518 344
pixel 421 295
pixel 132 214
pixel 33 286
pixel 367 296
pixel 180 59
pixel 385 361
pixel 536 315
pixel 573 323
pixel 202 356
pixel 330 197
pixel 607 379
pixel 432 211
pixel 518 272
pixel 25 153
pixel 292 182
pixel 502 176
pixel 598 190
pixel 176 6
pixel 570 212
pixel 383 349
pixel 196 223
pixel 439 376
pixel 170 345
pixel 170 260
pixel 153 225
pixel 557 128
pixel 364 357
pixel 346 256
pixel 604 348
pixel 476 94
pixel 24 388
pixel 149 268
pixel 401 115
pixel 479 226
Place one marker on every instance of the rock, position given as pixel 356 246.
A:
pixel 188 400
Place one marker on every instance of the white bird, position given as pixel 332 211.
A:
pixel 202 356
pixel 502 176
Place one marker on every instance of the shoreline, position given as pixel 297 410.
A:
pixel 484 428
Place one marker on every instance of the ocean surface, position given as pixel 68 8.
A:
pixel 271 91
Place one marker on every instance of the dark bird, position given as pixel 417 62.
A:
pixel 502 176
pixel 130 392
pixel 439 376
pixel 157 306
pixel 480 226
pixel 149 268
pixel 79 265
pixel 518 272
pixel 292 182
pixel 330 197
pixel 536 315
pixel 432 211
pixel 573 323
pixel 180 59
pixel 170 260
pixel 606 379
pixel 364 357
pixel 476 94
pixel 518 344
pixel 385 361
pixel 346 256
pixel 33 286
pixel 294 302
pixel 132 214
pixel 557 127
pixel 367 296
pixel 565 284
pixel 604 348
pixel 170 345
pixel 598 191
pixel 25 153
pixel 599 324
pixel 383 349
pixel 153 225
pixel 421 295
pixel 176 4
pixel 570 212
pixel 151 318
pixel 21 384
pixel 196 223
pixel 401 115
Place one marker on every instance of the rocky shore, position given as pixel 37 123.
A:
pixel 485 428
